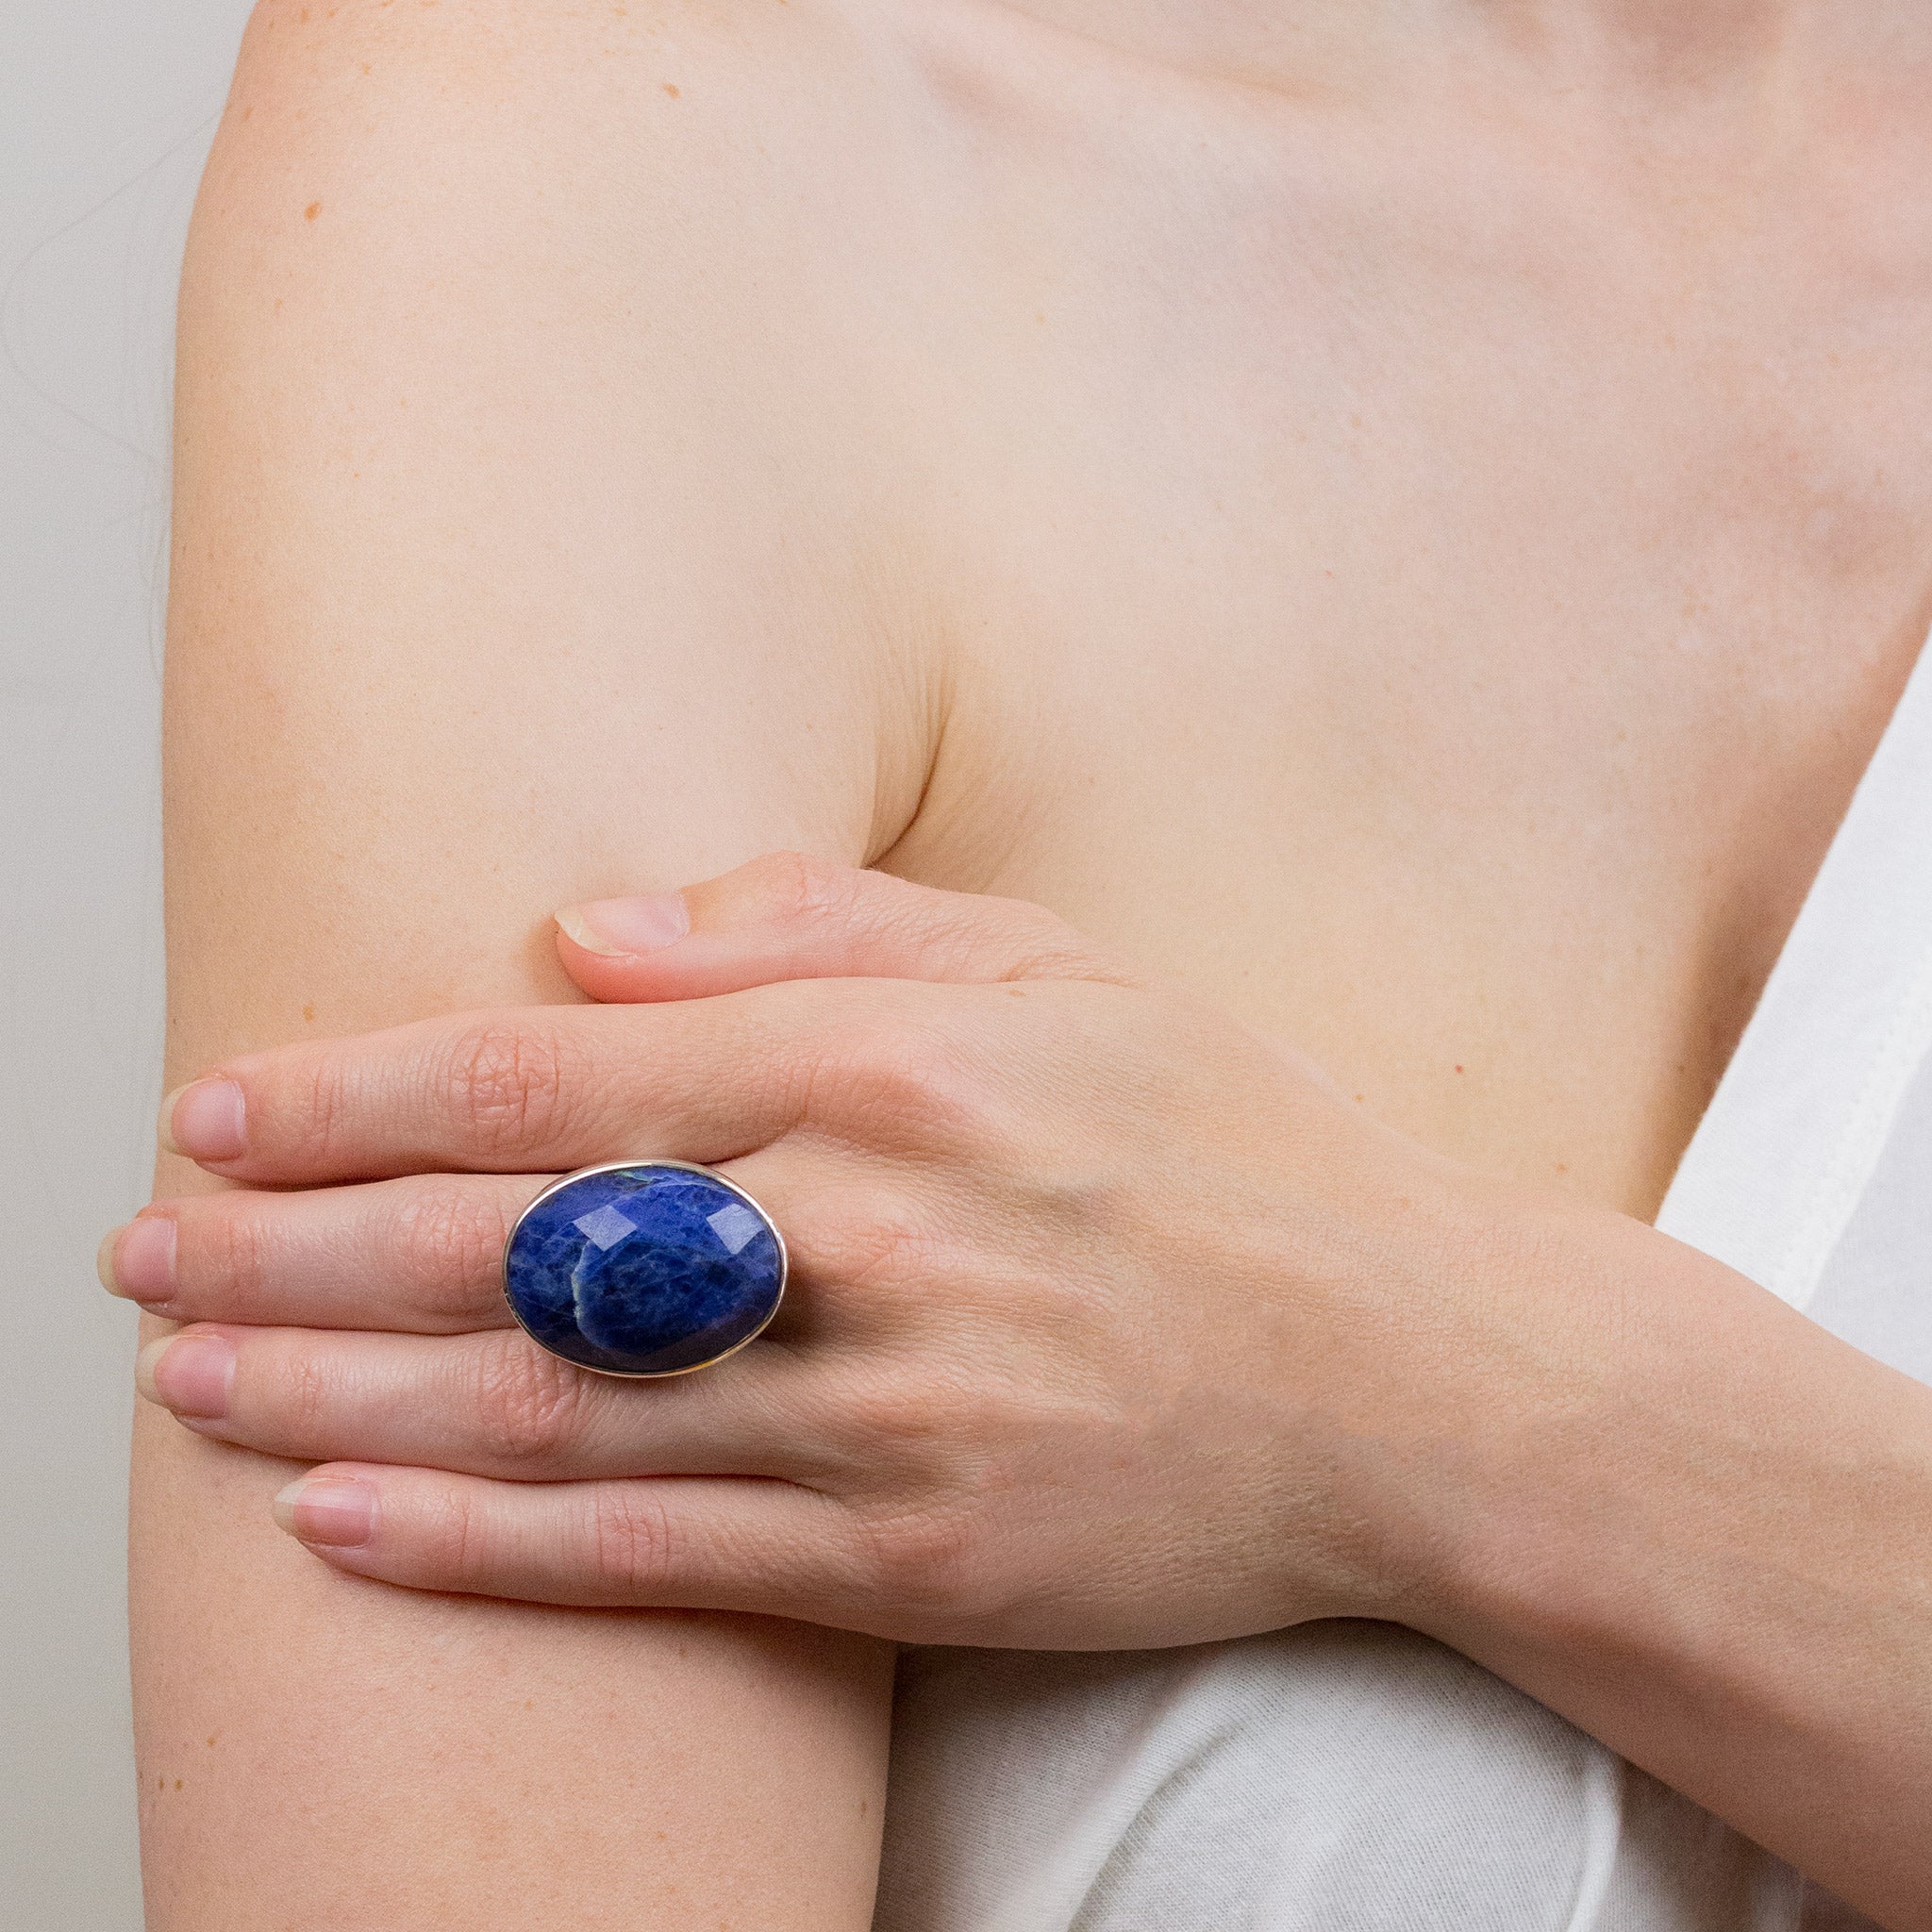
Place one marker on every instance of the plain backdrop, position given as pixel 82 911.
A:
pixel 106 107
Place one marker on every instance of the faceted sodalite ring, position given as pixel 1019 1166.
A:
pixel 644 1268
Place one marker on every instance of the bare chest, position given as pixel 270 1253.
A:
pixel 1459 665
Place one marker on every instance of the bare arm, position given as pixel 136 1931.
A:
pixel 481 602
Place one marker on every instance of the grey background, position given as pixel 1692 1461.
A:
pixel 106 111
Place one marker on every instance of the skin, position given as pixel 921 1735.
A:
pixel 1035 1386
pixel 1402 531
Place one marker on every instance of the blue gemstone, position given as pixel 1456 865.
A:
pixel 644 1270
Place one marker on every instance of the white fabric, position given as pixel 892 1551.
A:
pixel 1781 1160
pixel 1356 1777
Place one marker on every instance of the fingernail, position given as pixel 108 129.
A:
pixel 204 1120
pixel 138 1261
pixel 190 1374
pixel 627 925
pixel 337 1511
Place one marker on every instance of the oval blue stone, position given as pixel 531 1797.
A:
pixel 643 1270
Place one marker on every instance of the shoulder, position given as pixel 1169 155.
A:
pixel 523 49
pixel 564 294
pixel 633 119
pixel 505 369
pixel 672 206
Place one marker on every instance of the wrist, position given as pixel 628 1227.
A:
pixel 1701 1494
pixel 1588 1453
pixel 1482 1377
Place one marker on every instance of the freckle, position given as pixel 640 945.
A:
pixel 160 1783
pixel 1360 1098
pixel 671 89
pixel 365 67
pixel 211 1737
pixel 248 113
pixel 177 1784
pixel 309 1014
pixel 1562 1167
pixel 309 213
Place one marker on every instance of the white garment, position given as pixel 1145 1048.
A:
pixel 1358 1777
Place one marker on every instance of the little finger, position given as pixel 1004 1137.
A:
pixel 682 1542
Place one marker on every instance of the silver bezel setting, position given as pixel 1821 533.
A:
pixel 564 1180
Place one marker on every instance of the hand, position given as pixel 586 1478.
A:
pixel 1112 1324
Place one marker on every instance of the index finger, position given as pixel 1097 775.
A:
pixel 508 1091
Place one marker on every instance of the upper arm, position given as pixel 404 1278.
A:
pixel 498 583
pixel 517 499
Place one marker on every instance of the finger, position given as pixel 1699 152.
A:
pixel 422 1255
pixel 491 1404
pixel 520 1090
pixel 682 1542
pixel 787 916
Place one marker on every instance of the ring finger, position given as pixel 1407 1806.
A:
pixel 422 1255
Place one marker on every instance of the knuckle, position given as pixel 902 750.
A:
pixel 905 1420
pixel 889 1076
pixel 631 1544
pixel 528 1404
pixel 224 1259
pixel 460 1537
pixel 928 1567
pixel 507 1082
pixel 1050 950
pixel 446 1246
pixel 925 1449
pixel 796 888
pixel 870 1238
pixel 1039 945
pixel 304 1393
pixel 328 1103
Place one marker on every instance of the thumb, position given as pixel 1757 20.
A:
pixel 787 916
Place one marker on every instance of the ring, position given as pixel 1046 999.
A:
pixel 644 1268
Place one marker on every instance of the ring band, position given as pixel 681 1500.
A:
pixel 644 1268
